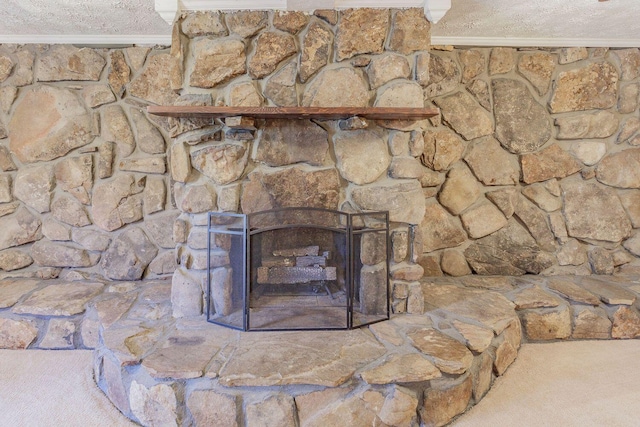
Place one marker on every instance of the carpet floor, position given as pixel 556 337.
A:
pixel 53 389
pixel 580 383
pixel 583 383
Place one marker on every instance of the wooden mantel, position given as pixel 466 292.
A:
pixel 325 113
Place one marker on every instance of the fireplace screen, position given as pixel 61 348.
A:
pixel 298 268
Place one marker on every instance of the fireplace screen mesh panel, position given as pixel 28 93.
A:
pixel 298 269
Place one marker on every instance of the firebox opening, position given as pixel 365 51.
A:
pixel 298 268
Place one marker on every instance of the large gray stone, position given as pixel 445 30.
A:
pixel 284 142
pixel 596 83
pixel 66 125
pixel 361 156
pixel 594 212
pixel 510 251
pixel 129 255
pixel 66 62
pixel 522 124
pixel 403 199
pixel 465 116
pixel 361 30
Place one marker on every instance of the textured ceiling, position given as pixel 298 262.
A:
pixel 135 21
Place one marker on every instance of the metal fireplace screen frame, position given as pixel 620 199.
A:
pixel 353 292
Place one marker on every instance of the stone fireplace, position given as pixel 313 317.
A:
pixel 297 268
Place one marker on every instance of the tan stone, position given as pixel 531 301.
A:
pixel 179 162
pixel 505 355
pixel 34 187
pixel 404 197
pixel 6 67
pixel 473 64
pixel 281 87
pixel 97 95
pixel 522 124
pixel 482 375
pixel 271 49
pixel 584 202
pixel 159 80
pixel 629 127
pixel 75 175
pixel 332 407
pixel 41 137
pixel 148 137
pixel 16 334
pixel 491 164
pixel 322 358
pixel 315 50
pixel 501 60
pixel 609 292
pixel 589 152
pixel 572 54
pixel 387 67
pixel 547 324
pixel 602 124
pixel 439 229
pixel 482 220
pixel 115 203
pixel 275 410
pixel 137 56
pixel 146 165
pixel 626 323
pixel 442 148
pixel 246 23
pixel 596 83
pixel 506 200
pixel 465 116
pixel 440 75
pixel 208 23
pixel 552 162
pixel 629 98
pixel 23 72
pixel 339 87
pixel 69 211
pixel 406 368
pixel 460 190
pixel 477 338
pixel 629 62
pixel 362 156
pixel 444 401
pixel 361 31
pixel 59 335
pixel 119 72
pixel 12 290
pixel 223 164
pixel 50 254
pixel 8 94
pixel 244 95
pixel 534 297
pixel 591 323
pixel 449 355
pixel 60 299
pixel 153 406
pixel 536 223
pixel 538 69
pixel 66 62
pixel 105 159
pixel 6 162
pixel 618 170
pixel 454 263
pixel 116 390
pixel 116 128
pixel 19 228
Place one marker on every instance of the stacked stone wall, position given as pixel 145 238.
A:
pixel 531 167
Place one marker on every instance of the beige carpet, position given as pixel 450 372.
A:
pixel 582 383
pixel 52 389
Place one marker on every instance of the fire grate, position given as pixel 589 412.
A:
pixel 297 269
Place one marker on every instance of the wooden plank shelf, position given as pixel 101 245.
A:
pixel 326 113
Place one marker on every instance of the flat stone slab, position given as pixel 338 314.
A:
pixel 12 290
pixel 534 297
pixel 402 368
pixel 609 293
pixel 574 292
pixel 60 299
pixel 313 358
pixel 449 355
pixel 486 307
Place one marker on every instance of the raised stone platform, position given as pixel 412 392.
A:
pixel 425 366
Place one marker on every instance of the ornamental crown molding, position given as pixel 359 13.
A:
pixel 434 10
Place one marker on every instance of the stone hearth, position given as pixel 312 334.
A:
pixel 427 365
